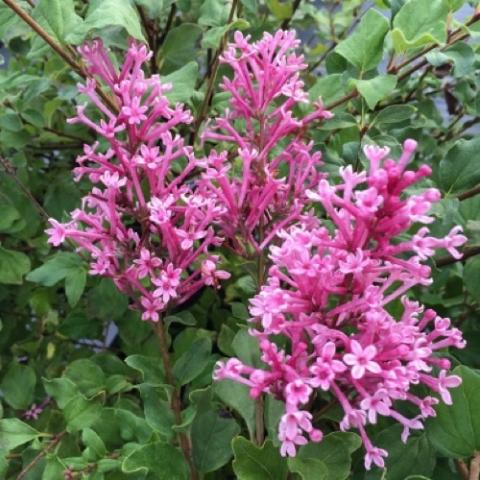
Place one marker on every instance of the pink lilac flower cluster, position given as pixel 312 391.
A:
pixel 142 225
pixel 259 128
pixel 35 410
pixel 328 293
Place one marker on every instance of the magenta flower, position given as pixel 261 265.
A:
pixel 265 89
pixel 361 359
pixel 142 225
pixel 327 294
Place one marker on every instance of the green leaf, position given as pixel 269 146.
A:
pixel 211 436
pixel 81 413
pixel 75 285
pixel 418 23
pixel 150 368
pixel 183 82
pixel 18 385
pixel 14 432
pixel 91 439
pixel 333 452
pixel 87 376
pixel 255 463
pixel 162 460
pixel 308 468
pixel 460 54
pixel 376 88
pixel 471 276
pixel 281 10
pixel 60 16
pixel 225 339
pixel 13 266
pixel 329 88
pixel 10 216
pixel 237 397
pixel 214 13
pixel 179 47
pixel 193 361
pixel 246 348
pixel 61 389
pixel 10 120
pixel 158 413
pixel 455 431
pixel 62 266
pixel 364 47
pixel 55 269
pixel 105 301
pixel 460 169
pixel 418 450
pixel 109 13
pixel 394 114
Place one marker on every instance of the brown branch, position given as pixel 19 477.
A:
pixel 469 193
pixel 152 38
pixel 467 253
pixel 10 170
pixel 211 81
pixel 183 440
pixel 462 468
pixel 64 53
pixel 475 467
pixel 168 26
pixel 55 441
pixel 475 18
pixel 287 21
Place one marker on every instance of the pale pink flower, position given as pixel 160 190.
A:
pixel 361 359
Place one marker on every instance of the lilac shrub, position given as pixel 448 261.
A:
pixel 155 217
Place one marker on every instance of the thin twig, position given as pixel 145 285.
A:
pixel 469 193
pixel 467 252
pixel 64 53
pixel 411 70
pixel 55 441
pixel 475 467
pixel 183 440
pixel 287 21
pixel 10 170
pixel 168 26
pixel 211 81
pixel 152 38
pixel 462 468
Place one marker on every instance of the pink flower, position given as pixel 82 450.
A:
pixel 326 367
pixel 379 403
pixel 210 274
pixel 444 383
pixel 361 359
pixel 375 455
pixel 57 233
pixel 151 308
pixel 167 283
pixel 135 112
pixel 326 299
pixel 297 392
pixel 188 238
pixel 146 264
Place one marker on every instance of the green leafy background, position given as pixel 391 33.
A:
pixel 389 69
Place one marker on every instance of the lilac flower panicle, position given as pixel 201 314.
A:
pixel 259 127
pixel 147 229
pixel 327 293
